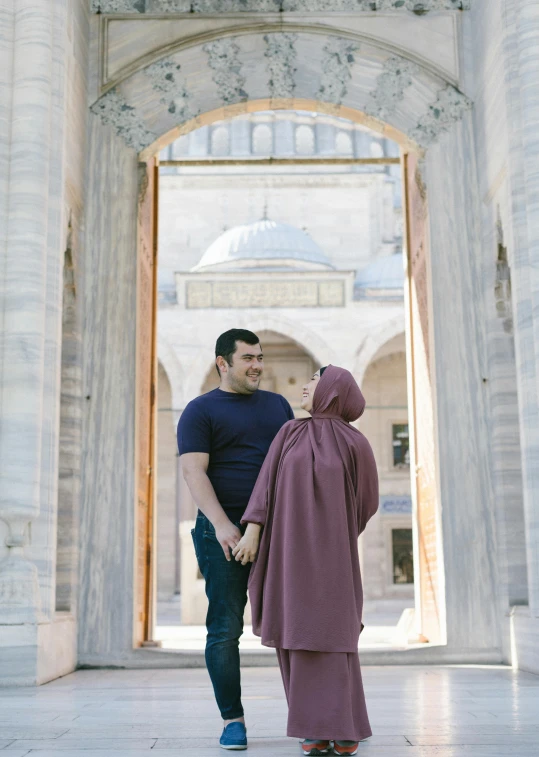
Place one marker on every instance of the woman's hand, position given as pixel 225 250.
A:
pixel 245 551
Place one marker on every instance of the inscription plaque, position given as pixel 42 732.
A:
pixel 199 294
pixel 331 294
pixel 264 294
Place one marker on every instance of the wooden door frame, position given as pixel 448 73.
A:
pixel 419 573
pixel 149 577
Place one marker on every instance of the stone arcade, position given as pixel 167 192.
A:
pixel 91 92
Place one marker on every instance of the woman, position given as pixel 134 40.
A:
pixel 316 491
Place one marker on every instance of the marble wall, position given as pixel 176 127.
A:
pixel 70 420
pixel 108 499
pixel 522 72
pixel 492 129
pixel 41 195
pixel 461 401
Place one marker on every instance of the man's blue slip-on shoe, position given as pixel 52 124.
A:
pixel 234 736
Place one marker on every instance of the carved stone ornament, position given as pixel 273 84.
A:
pixel 337 61
pixel 396 77
pixel 115 112
pixel 449 107
pixel 166 78
pixel 223 59
pixel 277 6
pixel 281 56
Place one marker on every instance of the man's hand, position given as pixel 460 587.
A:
pixel 228 535
pixel 248 546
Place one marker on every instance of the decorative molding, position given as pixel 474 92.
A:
pixel 281 56
pixel 166 79
pixel 233 6
pixel 423 6
pixel 338 58
pixel 395 78
pixel 118 6
pixel 276 6
pixel 114 111
pixel 449 107
pixel 327 6
pixel 223 59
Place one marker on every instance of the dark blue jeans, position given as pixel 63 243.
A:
pixel 226 589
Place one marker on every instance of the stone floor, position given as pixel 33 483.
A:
pixel 415 712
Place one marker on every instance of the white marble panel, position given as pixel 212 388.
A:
pixel 468 526
pixel 107 507
pixel 23 299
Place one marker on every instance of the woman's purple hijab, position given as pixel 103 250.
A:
pixel 316 491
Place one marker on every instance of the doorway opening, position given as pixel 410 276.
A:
pixel 329 191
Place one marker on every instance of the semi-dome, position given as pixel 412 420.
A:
pixel 381 279
pixel 263 245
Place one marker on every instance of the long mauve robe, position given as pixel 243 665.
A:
pixel 314 495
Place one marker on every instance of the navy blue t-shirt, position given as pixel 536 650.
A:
pixel 236 430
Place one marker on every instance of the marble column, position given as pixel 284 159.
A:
pixel 23 294
pixel 523 93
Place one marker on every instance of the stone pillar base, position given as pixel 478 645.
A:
pixel 19 590
pixel 34 653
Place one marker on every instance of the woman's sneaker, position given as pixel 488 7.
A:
pixel 315 747
pixel 234 736
pixel 345 747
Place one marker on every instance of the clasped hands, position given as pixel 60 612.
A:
pixel 247 547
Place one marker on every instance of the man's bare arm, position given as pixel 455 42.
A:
pixel 194 468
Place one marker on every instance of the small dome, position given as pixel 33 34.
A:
pixel 263 245
pixel 381 279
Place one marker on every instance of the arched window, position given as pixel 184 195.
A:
pixel 262 140
pixel 220 141
pixel 304 140
pixel 343 143
pixel 377 151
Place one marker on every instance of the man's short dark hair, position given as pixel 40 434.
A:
pixel 226 345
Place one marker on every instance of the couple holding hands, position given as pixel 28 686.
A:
pixel 281 505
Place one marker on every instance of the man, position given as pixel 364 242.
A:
pixel 223 438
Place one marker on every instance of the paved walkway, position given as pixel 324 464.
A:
pixel 415 712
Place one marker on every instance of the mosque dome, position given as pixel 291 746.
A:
pixel 264 245
pixel 381 279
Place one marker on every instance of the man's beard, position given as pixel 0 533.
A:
pixel 243 385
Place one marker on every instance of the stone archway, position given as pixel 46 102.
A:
pixel 373 343
pixel 182 86
pixel 243 68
